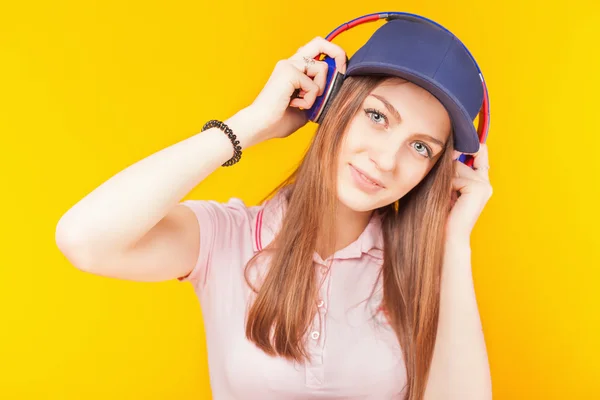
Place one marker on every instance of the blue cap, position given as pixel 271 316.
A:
pixel 434 59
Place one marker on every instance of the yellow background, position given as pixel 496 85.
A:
pixel 89 87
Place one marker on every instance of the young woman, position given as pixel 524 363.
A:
pixel 353 281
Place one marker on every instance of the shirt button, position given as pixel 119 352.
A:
pixel 321 304
pixel 315 335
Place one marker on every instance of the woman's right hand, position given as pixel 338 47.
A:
pixel 281 116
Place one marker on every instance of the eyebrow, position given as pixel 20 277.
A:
pixel 396 115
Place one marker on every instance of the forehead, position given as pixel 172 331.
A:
pixel 417 107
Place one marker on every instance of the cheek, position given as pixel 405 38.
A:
pixel 354 141
pixel 406 177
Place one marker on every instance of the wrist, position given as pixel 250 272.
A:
pixel 461 242
pixel 248 126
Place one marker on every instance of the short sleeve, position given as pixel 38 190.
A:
pixel 225 228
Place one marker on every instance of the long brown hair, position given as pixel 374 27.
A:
pixel 413 232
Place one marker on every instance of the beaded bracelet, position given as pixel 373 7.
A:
pixel 237 149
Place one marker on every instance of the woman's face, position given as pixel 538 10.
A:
pixel 390 145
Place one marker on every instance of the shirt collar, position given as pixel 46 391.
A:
pixel 268 220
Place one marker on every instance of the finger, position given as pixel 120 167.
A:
pixel 464 171
pixel 460 184
pixel 465 185
pixel 316 70
pixel 308 90
pixel 319 46
pixel 481 162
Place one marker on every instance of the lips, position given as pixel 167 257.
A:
pixel 368 177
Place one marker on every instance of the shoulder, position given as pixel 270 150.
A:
pixel 226 233
pixel 232 232
pixel 234 209
pixel 225 220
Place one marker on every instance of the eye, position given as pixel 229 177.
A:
pixel 376 116
pixel 423 149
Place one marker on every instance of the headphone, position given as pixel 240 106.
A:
pixel 335 78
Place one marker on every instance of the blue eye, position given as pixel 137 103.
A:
pixel 428 152
pixel 379 116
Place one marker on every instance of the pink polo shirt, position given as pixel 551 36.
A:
pixel 355 354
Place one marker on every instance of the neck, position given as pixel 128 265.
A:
pixel 349 224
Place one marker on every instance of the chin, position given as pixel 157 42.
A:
pixel 355 203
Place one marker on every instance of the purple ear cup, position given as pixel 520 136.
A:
pixel 332 85
pixel 462 158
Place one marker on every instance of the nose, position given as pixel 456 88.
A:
pixel 384 153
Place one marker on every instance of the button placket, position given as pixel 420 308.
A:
pixel 316 336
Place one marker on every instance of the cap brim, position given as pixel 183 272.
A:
pixel 466 139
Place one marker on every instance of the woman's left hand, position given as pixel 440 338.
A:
pixel 473 185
